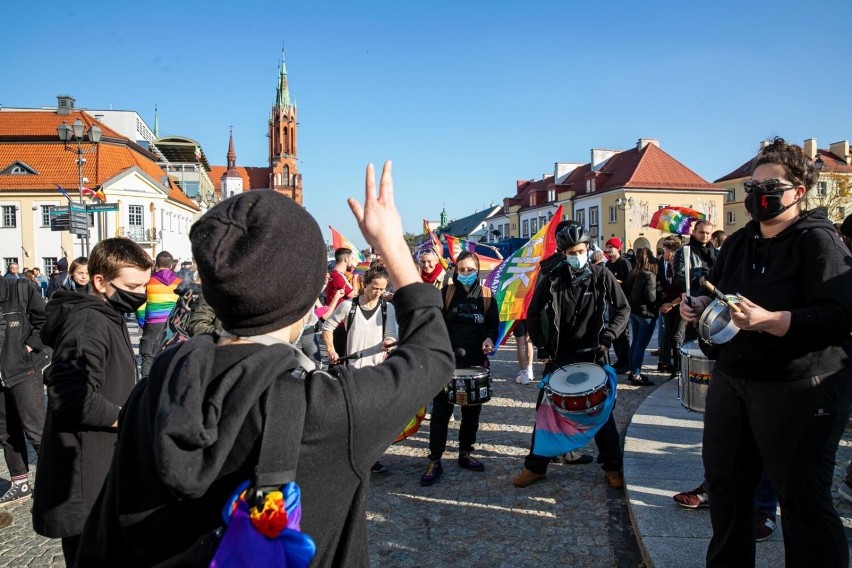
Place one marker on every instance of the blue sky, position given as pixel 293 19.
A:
pixel 464 97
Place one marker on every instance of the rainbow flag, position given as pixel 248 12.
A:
pixel 456 245
pixel 339 241
pixel 512 282
pixel 675 219
pixel 426 229
pixel 361 268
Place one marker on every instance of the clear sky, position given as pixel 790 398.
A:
pixel 464 97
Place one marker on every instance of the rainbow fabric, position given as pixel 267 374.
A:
pixel 557 433
pixel 512 282
pixel 161 298
pixel 455 245
pixel 675 219
pixel 339 241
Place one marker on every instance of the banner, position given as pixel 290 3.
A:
pixel 339 241
pixel 512 282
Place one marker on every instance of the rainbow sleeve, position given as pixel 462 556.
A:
pixel 161 300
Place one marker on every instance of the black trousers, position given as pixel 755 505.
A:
pixel 790 429
pixel 621 346
pixel 610 455
pixel 439 424
pixel 669 354
pixel 21 416
pixel 148 345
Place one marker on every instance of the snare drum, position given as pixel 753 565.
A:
pixel 579 388
pixel 469 386
pixel 694 377
pixel 715 325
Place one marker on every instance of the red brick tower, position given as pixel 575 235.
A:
pixel 283 157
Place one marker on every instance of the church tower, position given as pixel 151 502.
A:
pixel 283 157
pixel 232 183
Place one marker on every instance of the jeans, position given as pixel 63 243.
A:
pixel 642 330
pixel 148 345
pixel 791 431
pixel 439 423
pixel 22 413
pixel 661 331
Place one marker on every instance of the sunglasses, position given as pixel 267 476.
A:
pixel 773 185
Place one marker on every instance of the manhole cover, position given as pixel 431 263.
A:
pixel 5 520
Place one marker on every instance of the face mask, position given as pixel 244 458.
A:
pixel 467 279
pixel 125 302
pixel 577 262
pixel 765 206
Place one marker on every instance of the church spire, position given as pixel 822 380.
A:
pixel 232 156
pixel 282 94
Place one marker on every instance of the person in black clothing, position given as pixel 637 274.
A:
pixel 473 329
pixel 780 392
pixel 702 257
pixel 91 375
pixel 190 433
pixel 670 315
pixel 566 323
pixel 620 267
pixel 22 359
pixel 59 279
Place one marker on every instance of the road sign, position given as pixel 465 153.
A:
pixel 60 222
pixel 76 207
pixel 99 207
pixel 79 224
pixel 57 211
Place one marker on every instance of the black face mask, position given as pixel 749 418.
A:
pixel 765 206
pixel 126 302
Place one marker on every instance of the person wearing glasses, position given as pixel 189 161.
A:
pixel 472 321
pixel 779 397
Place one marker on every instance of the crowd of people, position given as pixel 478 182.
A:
pixel 135 468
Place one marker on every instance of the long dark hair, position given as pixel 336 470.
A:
pixel 465 254
pixel 645 261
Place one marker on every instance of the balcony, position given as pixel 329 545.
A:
pixel 138 234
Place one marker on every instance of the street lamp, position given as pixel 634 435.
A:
pixel 818 164
pixel 202 199
pixel 76 132
pixel 623 204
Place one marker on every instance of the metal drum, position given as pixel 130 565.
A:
pixel 715 325
pixel 695 369
pixel 579 388
pixel 469 386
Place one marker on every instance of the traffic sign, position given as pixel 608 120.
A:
pixel 60 222
pixel 99 207
pixel 76 207
pixel 57 211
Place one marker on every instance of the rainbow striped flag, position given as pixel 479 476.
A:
pixel 513 281
pixel 456 245
pixel 339 241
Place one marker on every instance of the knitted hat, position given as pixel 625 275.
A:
pixel 259 231
pixel 615 242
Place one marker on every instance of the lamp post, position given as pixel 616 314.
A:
pixel 207 202
pixel 623 204
pixel 77 131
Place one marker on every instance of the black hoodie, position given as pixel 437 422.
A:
pixel 806 270
pixel 91 375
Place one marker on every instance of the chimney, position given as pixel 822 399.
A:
pixel 599 157
pixel 642 142
pixel 64 105
pixel 841 150
pixel 764 144
pixel 562 170
pixel 810 148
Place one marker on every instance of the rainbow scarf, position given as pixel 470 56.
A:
pixel 161 298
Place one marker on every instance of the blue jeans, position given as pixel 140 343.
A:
pixel 642 329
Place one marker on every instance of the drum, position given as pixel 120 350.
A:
pixel 715 324
pixel 694 377
pixel 469 386
pixel 579 388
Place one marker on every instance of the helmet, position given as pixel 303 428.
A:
pixel 570 233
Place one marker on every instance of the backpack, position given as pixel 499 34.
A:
pixel 450 291
pixel 174 331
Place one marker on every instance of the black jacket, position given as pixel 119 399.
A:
pixel 22 319
pixel 91 375
pixel 702 258
pixel 620 268
pixel 566 316
pixel 643 293
pixel 190 433
pixel 806 270
pixel 468 324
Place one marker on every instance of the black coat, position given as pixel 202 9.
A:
pixel 469 324
pixel 22 319
pixel 91 375
pixel 643 293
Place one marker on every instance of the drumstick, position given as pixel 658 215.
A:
pixel 721 297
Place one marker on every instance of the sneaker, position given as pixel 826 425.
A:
pixel 433 472
pixel 16 492
pixel 695 499
pixel 640 381
pixel 379 467
pixel 845 490
pixel 615 479
pixel 522 378
pixel 527 478
pixel 573 458
pixel 764 525
pixel 470 463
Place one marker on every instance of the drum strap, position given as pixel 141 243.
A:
pixel 354 308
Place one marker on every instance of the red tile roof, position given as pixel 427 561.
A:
pixel 831 163
pixel 253 178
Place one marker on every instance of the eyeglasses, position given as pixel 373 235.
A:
pixel 773 185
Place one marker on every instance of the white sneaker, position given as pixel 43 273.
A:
pixel 522 378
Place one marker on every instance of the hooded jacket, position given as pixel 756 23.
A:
pixel 468 323
pixel 161 298
pixel 59 280
pixel 22 319
pixel 702 258
pixel 91 375
pixel 807 270
pixel 190 433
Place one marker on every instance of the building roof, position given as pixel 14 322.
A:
pixel 182 150
pixel 253 178
pixel 467 225
pixel 830 164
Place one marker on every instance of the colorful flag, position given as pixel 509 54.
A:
pixel 426 229
pixel 512 282
pixel 675 219
pixel 63 192
pixel 456 245
pixel 86 192
pixel 339 241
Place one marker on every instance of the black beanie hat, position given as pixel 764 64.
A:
pixel 259 231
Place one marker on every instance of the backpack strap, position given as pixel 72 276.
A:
pixel 354 308
pixel 384 317
pixel 486 298
pixel 449 292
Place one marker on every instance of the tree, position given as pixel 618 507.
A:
pixel 834 193
pixel 409 240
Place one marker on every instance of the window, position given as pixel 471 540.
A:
pixel 49 265
pixel 581 217
pixel 732 195
pixel 45 215
pixel 822 188
pixel 593 216
pixel 525 233
pixel 613 214
pixel 505 234
pixel 533 226
pixel 551 195
pixel 10 217
pixel 19 171
pixel 191 188
pixel 134 215
pixel 732 217
pixel 9 260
